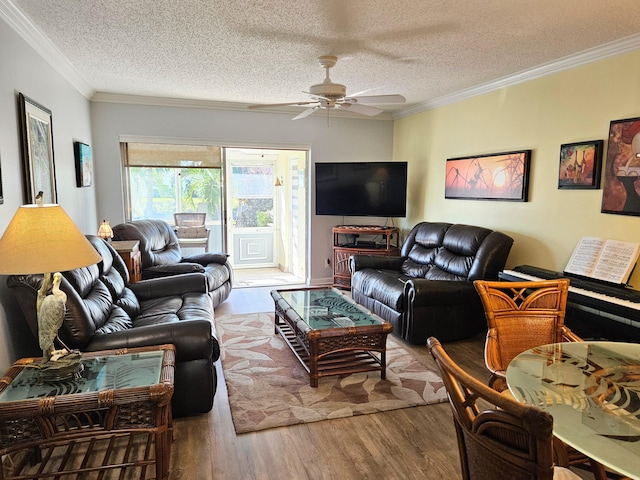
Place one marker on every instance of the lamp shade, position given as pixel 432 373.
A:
pixel 105 231
pixel 42 239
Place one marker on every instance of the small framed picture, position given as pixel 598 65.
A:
pixel 84 164
pixel 580 165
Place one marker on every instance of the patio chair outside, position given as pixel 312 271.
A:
pixel 191 230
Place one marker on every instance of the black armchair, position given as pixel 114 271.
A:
pixel 161 256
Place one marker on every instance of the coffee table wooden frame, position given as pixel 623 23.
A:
pixel 332 351
pixel 40 431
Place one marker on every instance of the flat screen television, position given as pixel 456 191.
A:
pixel 363 189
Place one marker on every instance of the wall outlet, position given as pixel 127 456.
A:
pixel 327 264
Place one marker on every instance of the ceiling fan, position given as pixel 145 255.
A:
pixel 327 95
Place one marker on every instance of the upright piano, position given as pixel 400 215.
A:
pixel 594 308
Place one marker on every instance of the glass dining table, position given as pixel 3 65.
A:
pixel 592 390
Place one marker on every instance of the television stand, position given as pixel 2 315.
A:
pixel 360 239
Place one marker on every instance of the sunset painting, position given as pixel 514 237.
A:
pixel 501 176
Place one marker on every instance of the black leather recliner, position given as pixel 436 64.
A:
pixel 105 312
pixel 161 256
pixel 428 290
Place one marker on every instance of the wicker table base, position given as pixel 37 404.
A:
pixel 332 351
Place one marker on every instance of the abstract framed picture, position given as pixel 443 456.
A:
pixel 580 165
pixel 621 188
pixel 84 164
pixel 37 151
pixel 497 176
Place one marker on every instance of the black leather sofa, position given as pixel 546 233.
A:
pixel 105 312
pixel 161 256
pixel 428 290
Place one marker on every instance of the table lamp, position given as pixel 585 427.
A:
pixel 42 238
pixel 104 231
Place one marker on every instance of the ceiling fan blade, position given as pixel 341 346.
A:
pixel 378 99
pixel 361 109
pixel 268 105
pixel 306 113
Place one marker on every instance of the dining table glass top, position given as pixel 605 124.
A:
pixel 592 390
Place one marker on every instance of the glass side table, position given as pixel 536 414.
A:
pixel 116 416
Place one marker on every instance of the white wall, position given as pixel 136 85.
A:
pixel 341 140
pixel 22 70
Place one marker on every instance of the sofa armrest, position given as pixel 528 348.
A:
pixel 360 262
pixel 193 339
pixel 421 292
pixel 207 258
pixel 169 269
pixel 167 286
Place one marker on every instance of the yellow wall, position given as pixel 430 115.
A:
pixel 566 107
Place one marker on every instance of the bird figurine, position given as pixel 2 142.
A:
pixel 51 310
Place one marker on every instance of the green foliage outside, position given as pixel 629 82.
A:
pixel 154 192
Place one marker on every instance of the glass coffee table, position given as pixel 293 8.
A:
pixel 329 333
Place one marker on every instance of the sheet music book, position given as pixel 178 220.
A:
pixel 604 259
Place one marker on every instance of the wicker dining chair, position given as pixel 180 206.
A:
pixel 520 316
pixel 191 230
pixel 498 437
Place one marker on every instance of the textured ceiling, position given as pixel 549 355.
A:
pixel 265 51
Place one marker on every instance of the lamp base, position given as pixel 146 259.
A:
pixel 65 368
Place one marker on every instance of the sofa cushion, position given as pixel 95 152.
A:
pixel 118 321
pixel 129 303
pixel 460 245
pixel 88 306
pixel 385 286
pixel 414 269
pixel 173 309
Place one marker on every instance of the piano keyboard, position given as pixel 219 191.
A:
pixel 607 306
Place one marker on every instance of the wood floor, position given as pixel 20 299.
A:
pixel 411 443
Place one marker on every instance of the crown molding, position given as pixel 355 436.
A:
pixel 44 47
pixel 591 55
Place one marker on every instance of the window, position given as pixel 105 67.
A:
pixel 163 179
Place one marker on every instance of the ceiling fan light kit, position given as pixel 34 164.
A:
pixel 327 95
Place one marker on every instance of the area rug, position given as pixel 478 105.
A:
pixel 269 388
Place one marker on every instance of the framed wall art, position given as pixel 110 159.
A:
pixel 84 164
pixel 37 150
pixel 621 189
pixel 580 165
pixel 497 176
